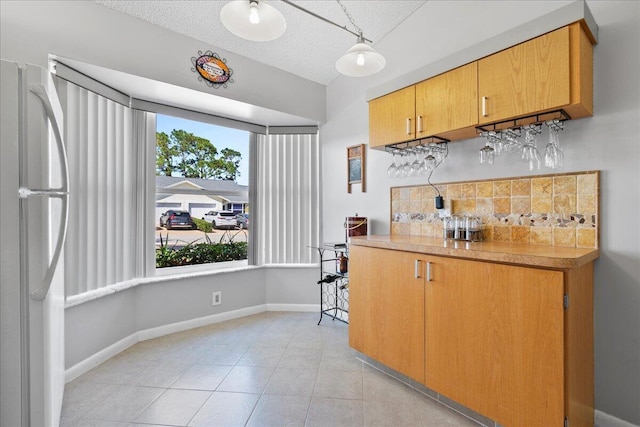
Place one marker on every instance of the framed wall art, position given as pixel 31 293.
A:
pixel 356 167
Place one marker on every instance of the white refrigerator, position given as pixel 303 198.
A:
pixel 33 222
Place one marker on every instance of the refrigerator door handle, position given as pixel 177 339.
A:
pixel 62 193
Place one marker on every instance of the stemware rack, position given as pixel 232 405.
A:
pixel 416 142
pixel 533 119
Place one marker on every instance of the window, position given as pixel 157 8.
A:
pixel 124 195
pixel 202 211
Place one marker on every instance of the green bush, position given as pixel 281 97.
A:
pixel 203 225
pixel 199 253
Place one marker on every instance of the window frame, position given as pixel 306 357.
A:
pixel 151 203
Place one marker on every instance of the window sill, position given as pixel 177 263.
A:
pixel 199 268
pixel 172 273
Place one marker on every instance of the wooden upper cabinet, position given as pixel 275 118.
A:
pixel 528 78
pixel 392 118
pixel 551 72
pixel 447 102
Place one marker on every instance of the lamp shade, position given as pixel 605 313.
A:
pixel 360 61
pixel 253 20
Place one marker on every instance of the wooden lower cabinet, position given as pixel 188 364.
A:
pixel 495 338
pixel 386 309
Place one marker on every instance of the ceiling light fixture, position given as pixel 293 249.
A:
pixel 258 21
pixel 360 60
pixel 253 20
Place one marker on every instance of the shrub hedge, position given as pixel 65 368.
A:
pixel 200 253
pixel 203 225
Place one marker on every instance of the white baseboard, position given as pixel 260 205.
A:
pixel 100 357
pixel 107 353
pixel 172 328
pixel 294 307
pixel 603 419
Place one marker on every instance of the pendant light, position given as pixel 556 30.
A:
pixel 258 21
pixel 253 20
pixel 361 60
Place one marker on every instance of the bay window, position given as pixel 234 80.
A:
pixel 122 183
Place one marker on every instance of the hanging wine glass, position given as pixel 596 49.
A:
pixel 406 163
pixel 487 155
pixel 393 168
pixel 530 153
pixel 496 142
pixel 416 166
pixel 430 163
pixel 439 152
pixel 553 155
pixel 510 141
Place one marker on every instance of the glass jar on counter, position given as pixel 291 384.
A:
pixel 467 228
pixel 448 227
pixel 460 232
pixel 473 229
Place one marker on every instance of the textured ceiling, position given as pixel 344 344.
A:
pixel 309 48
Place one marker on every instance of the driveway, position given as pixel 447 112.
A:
pixel 181 238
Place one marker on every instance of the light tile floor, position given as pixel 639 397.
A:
pixel 270 369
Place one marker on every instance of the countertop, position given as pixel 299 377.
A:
pixel 509 253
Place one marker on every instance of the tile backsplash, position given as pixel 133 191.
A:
pixel 554 210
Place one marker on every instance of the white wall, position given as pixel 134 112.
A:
pixel 608 141
pixel 294 286
pixel 93 326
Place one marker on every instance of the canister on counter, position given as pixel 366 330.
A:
pixel 355 226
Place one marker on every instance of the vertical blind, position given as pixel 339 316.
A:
pixel 101 247
pixel 288 199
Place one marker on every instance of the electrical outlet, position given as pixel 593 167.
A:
pixel 217 298
pixel 444 212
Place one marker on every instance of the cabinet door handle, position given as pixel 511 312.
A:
pixel 408 126
pixel 484 106
pixel 416 269
pixel 420 124
pixel 428 272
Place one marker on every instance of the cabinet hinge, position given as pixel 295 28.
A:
pixel 566 422
pixel 565 304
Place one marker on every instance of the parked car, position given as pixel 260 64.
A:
pixel 223 219
pixel 209 216
pixel 242 220
pixel 177 219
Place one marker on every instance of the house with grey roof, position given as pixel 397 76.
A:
pixel 199 196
